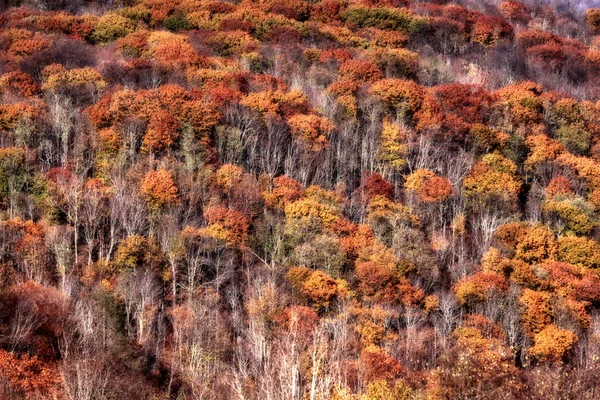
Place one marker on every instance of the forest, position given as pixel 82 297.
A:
pixel 299 200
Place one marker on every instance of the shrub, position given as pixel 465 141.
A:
pixel 383 18
pixel 592 17
pixel 111 27
pixel 176 22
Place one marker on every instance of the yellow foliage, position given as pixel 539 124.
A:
pixel 537 311
pixel 538 244
pixel 552 343
pixel 304 209
pixel 393 148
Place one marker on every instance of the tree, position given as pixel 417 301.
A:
pixel 515 11
pixel 135 252
pixel 393 147
pixel 226 224
pixel 537 311
pixel 159 190
pixel 475 367
pixel 373 185
pixel 311 130
pixel 592 17
pixel 112 26
pixel 318 288
pixel 19 83
pixel 429 187
pixel 538 244
pixel 28 377
pixel 402 96
pixel 361 71
pixel 13 176
pixel 552 343
pixel 478 287
pixel 162 133
pixel 579 251
pixel 494 177
pixel 376 364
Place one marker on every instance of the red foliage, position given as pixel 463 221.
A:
pixel 232 224
pixel 163 131
pixel 377 364
pixel 19 83
pixel 327 11
pixel 435 189
pixel 515 11
pixel 99 113
pixel 283 35
pixel 234 24
pixel 489 29
pixel 558 186
pixel 373 184
pixel 362 71
pixel 471 103
pixel 285 190
pixel 300 320
pixel 28 377
pixel 339 55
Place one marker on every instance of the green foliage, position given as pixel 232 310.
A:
pixel 574 137
pixel 13 171
pixel 176 22
pixel 570 214
pixel 383 18
pixel 136 252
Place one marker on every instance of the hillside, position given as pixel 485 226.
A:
pixel 298 199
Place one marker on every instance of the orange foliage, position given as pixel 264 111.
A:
pixel 226 224
pixel 57 77
pixel 522 102
pixel 311 130
pixel 592 17
pixel 558 186
pixel 553 343
pixel 162 133
pixel 377 364
pixel 380 278
pixel 537 311
pixel 12 114
pixel 476 288
pixel 306 209
pixel 320 289
pixel 353 237
pixel 493 177
pixel 537 245
pixel 159 190
pixel 20 83
pixel 361 71
pixel 285 190
pixel 515 11
pixel 428 186
pixel 400 95
pixel 272 103
pixel 28 377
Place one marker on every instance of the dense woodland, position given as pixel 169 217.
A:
pixel 299 200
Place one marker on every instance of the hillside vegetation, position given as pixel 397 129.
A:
pixel 294 200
